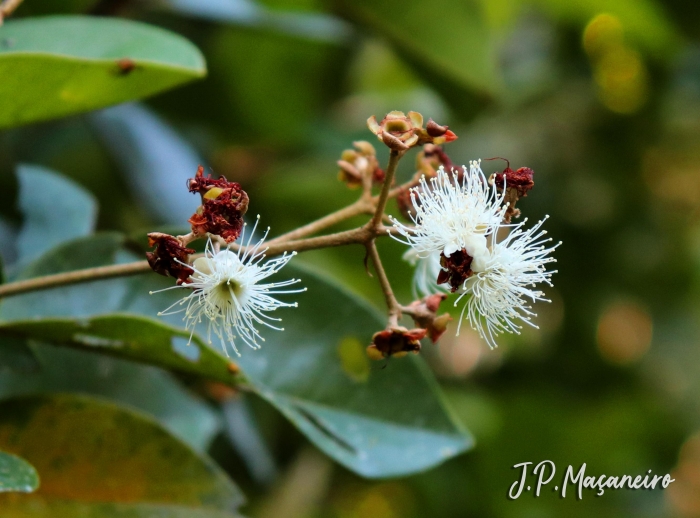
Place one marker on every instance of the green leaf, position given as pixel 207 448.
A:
pixel 17 474
pixel 60 65
pixel 276 101
pixel 385 422
pixel 55 210
pixel 130 337
pixel 454 53
pixel 90 298
pixel 644 21
pixel 392 422
pixel 16 355
pixel 146 388
pixel 121 457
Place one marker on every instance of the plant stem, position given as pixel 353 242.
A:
pixel 391 302
pixel 7 8
pixel 74 277
pixel 358 235
pixel 291 241
pixel 394 158
pixel 361 206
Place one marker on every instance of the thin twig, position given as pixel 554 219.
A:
pixel 7 8
pixel 361 206
pixel 394 158
pixel 74 277
pixel 391 302
pixel 358 235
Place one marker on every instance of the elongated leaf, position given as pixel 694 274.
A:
pixel 131 337
pixel 150 390
pixel 59 65
pixel 120 457
pixel 55 210
pixel 151 153
pixel 142 387
pixel 16 355
pixel 17 475
pixel 392 422
pixel 386 422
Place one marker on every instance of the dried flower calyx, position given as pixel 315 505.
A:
pixel 223 205
pixel 517 184
pixel 395 341
pixel 456 269
pixel 424 314
pixel 401 131
pixel 169 257
pixel 359 163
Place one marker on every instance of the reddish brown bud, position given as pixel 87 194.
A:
pixel 169 257
pixel 223 205
pixel 424 314
pixel 456 269
pixel 357 163
pixel 401 131
pixel 395 341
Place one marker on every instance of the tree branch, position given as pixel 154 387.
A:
pixel 391 302
pixel 7 8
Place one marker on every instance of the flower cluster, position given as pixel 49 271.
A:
pixel 401 132
pixel 457 219
pixel 225 292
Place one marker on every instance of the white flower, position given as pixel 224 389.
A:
pixel 226 293
pixel 427 270
pixel 503 287
pixel 453 214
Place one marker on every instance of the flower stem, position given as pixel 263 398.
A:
pixel 7 8
pixel 74 277
pixel 291 241
pixel 355 236
pixel 391 302
pixel 394 158
pixel 361 206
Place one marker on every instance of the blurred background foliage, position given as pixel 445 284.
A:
pixel 600 98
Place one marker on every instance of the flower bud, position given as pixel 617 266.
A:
pixel 356 164
pixel 169 257
pixel 400 131
pixel 424 314
pixel 395 341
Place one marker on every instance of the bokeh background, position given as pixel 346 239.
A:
pixel 600 98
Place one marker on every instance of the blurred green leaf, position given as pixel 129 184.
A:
pixel 130 337
pixel 447 43
pixel 55 210
pixel 145 388
pixel 15 354
pixel 275 99
pixel 393 423
pixel 84 299
pixel 363 422
pixel 121 457
pixel 59 65
pixel 644 21
pixel 150 153
pixel 17 474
